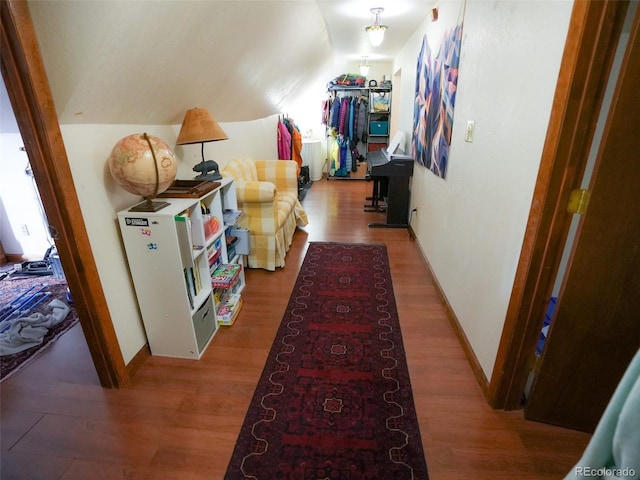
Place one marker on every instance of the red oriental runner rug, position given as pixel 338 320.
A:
pixel 334 401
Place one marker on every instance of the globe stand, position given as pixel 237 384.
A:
pixel 149 206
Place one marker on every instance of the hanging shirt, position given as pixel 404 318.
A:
pixel 362 121
pixel 342 170
pixel 334 155
pixel 284 142
pixel 325 112
pixel 344 111
pixel 356 119
pixel 296 146
pixel 352 109
pixel 335 113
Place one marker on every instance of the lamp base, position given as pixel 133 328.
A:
pixel 149 206
pixel 208 176
pixel 208 170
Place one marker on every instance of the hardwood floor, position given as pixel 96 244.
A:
pixel 179 419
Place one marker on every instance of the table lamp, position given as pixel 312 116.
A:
pixel 199 126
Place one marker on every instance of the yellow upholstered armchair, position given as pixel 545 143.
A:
pixel 267 193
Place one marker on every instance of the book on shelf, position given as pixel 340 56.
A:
pixel 228 311
pixel 188 281
pixel 225 275
pixel 220 296
pixel 197 280
pixel 185 242
pixel 213 255
pixel 193 282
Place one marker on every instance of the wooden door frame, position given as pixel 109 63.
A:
pixel 28 89
pixel 592 40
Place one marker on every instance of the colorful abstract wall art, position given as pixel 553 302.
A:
pixel 436 82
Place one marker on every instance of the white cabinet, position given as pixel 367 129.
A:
pixel 171 255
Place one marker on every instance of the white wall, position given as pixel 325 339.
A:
pixel 88 148
pixel 22 224
pixel 23 229
pixel 471 225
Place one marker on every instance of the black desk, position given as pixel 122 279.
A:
pixel 395 171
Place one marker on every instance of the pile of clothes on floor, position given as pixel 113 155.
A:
pixel 21 328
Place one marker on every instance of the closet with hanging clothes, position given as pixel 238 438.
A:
pixel 345 116
pixel 289 140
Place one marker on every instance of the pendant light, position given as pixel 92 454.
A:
pixel 364 67
pixel 376 31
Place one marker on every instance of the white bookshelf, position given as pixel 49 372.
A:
pixel 171 254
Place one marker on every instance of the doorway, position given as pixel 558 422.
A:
pixel 28 90
pixel 573 234
pixel 589 55
pixel 31 274
pixel 595 332
pixel 24 229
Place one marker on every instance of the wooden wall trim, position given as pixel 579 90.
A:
pixel 138 360
pixel 476 367
pixel 589 51
pixel 469 353
pixel 28 88
pixel 15 257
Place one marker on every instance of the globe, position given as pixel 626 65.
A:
pixel 133 167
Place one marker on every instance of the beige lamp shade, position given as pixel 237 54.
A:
pixel 199 126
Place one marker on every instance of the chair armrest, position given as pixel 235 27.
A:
pixel 255 192
pixel 257 201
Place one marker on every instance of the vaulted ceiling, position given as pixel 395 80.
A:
pixel 146 62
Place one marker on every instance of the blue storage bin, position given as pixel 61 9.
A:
pixel 379 127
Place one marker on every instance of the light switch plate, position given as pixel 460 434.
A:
pixel 469 131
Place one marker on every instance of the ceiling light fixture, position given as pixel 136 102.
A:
pixel 376 31
pixel 364 67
